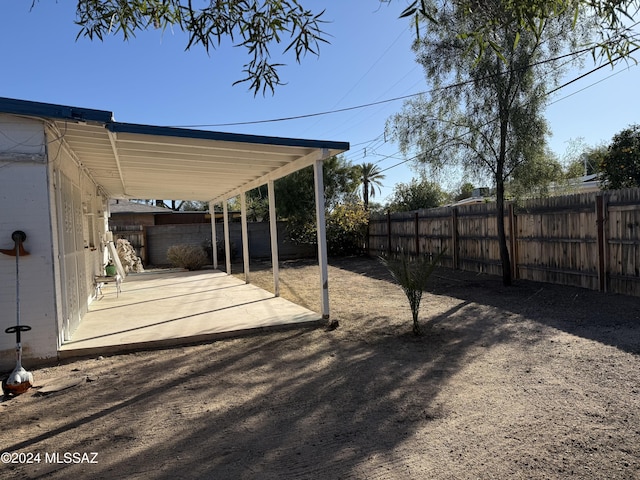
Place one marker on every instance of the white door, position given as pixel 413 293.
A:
pixel 71 255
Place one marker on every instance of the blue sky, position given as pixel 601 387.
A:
pixel 152 80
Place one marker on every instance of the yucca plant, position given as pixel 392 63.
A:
pixel 412 274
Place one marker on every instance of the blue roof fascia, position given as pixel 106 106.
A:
pixel 117 127
pixel 104 117
pixel 50 110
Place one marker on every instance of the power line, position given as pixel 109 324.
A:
pixel 549 93
pixel 380 57
pixel 589 72
pixel 371 67
pixel 389 100
pixel 611 62
pixel 308 115
pixel 588 86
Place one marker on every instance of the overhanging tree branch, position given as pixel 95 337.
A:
pixel 254 25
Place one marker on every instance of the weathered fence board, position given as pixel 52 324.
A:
pixel 136 236
pixel 623 241
pixel 557 240
pixel 588 240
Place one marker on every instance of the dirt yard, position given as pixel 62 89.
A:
pixel 528 382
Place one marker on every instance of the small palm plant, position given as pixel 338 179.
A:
pixel 412 273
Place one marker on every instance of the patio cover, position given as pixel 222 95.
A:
pixel 155 162
pixel 144 161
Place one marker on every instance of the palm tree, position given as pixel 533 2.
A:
pixel 370 178
pixel 413 276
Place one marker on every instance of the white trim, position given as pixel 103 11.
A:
pixel 283 171
pixel 10 157
pixel 227 243
pixel 273 230
pixel 322 238
pixel 116 156
pixel 214 240
pixel 245 236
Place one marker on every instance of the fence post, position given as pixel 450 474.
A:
pixel 367 239
pixel 601 233
pixel 143 248
pixel 388 233
pixel 513 229
pixel 417 225
pixel 454 238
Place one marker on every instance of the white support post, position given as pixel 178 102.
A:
pixel 227 243
pixel 214 240
pixel 322 238
pixel 245 235
pixel 273 230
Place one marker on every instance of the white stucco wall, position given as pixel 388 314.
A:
pixel 91 248
pixel 25 206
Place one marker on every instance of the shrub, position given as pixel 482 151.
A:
pixel 412 273
pixel 620 167
pixel 347 229
pixel 191 257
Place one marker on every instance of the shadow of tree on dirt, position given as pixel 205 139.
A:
pixel 265 406
pixel 610 319
pixel 303 404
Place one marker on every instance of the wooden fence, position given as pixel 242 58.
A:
pixel 589 240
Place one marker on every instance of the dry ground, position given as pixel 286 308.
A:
pixel 529 382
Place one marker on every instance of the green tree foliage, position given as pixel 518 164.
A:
pixel 370 178
pixel 254 25
pixel 295 196
pixel 465 191
pixel 587 162
pixel 620 168
pixel 347 229
pixel 415 195
pixel 377 208
pixel 257 203
pixel 534 177
pixel 194 206
pixel 615 39
pixel 486 112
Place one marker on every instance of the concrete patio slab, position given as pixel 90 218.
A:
pixel 165 308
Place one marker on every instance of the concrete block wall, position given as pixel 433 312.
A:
pixel 160 237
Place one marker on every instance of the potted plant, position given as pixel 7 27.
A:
pixel 110 269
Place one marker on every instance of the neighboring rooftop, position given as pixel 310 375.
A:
pixel 126 206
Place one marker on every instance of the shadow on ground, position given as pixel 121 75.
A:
pixel 610 319
pixel 267 406
pixel 352 403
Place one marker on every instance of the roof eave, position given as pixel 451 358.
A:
pixel 50 110
pixel 118 127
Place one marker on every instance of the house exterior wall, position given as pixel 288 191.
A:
pixel 34 162
pixel 79 215
pixel 24 196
